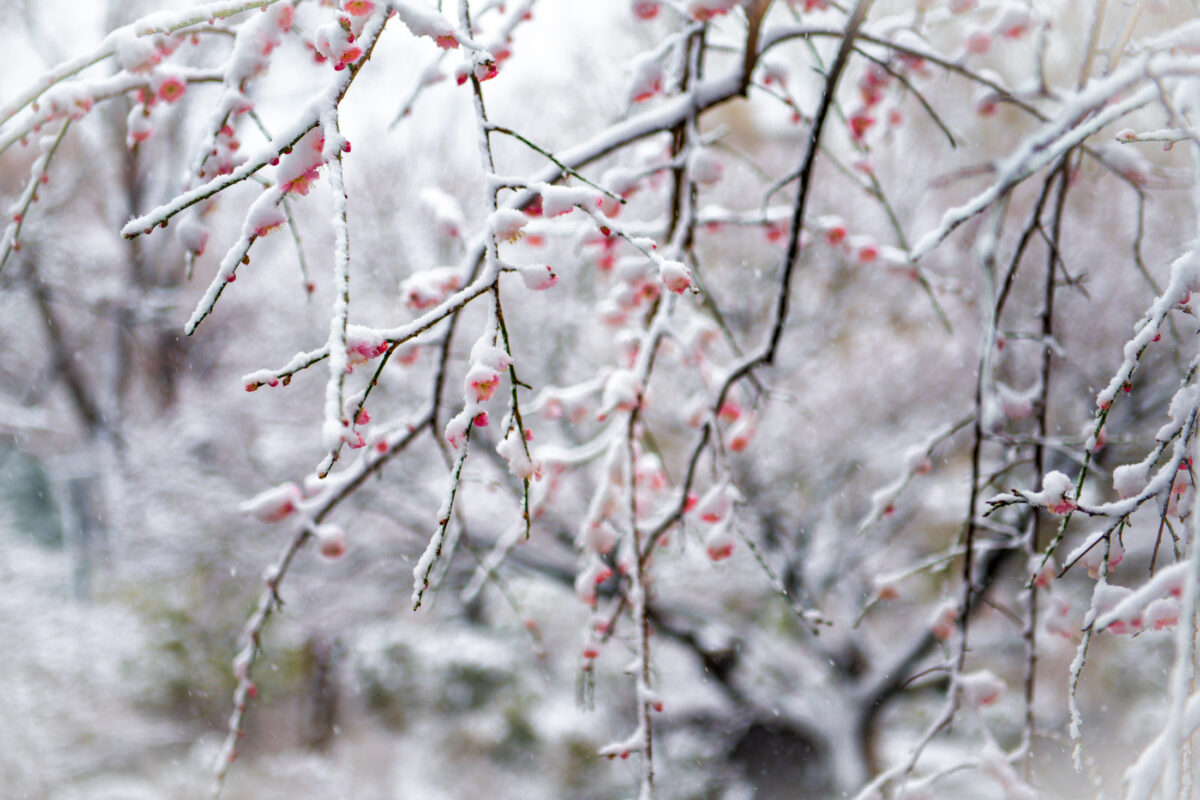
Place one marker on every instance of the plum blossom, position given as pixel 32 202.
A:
pixel 447 215
pixel 719 542
pixel 264 218
pixel 297 170
pixel 557 200
pixel 363 344
pixel 981 688
pixel 833 228
pixel 513 449
pixel 192 234
pixel 275 504
pixel 538 278
pixel 138 127
pixel 595 573
pixel 944 617
pixel 707 9
pixel 646 77
pixel 740 433
pixel 135 53
pixel 507 224
pixel 331 541
pixel 622 392
pixel 168 88
pixel 335 42
pixel 675 276
pixel 424 21
pixel 481 382
pixel 714 507
pixel 646 9
pixel 429 287
pixel 1057 495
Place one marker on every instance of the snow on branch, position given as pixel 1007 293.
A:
pixel 158 22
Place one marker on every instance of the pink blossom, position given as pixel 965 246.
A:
pixel 715 505
pixel 486 69
pixel 507 224
pixel 646 9
pixel 170 89
pixel 481 383
pixel 864 247
pixel 1058 618
pixel 429 287
pixel 457 428
pixel 646 78
pixel 192 234
pixel 448 217
pixel 595 573
pixel 266 221
pixel 275 504
pixel 887 590
pixel 348 56
pixel 302 182
pixel 719 543
pixel 675 276
pixel 1161 613
pixel 740 434
pixel 707 9
pixel 979 43
pixel 599 537
pixel 833 227
pixel 1095 556
pixel 944 618
pixel 1043 574
pixel 1057 495
pixel 1014 22
pixel 332 541
pixel 335 42
pixel 423 21
pixel 137 126
pixel 774 73
pixel 362 346
pixel 539 278
pixel 980 688
pixel 859 122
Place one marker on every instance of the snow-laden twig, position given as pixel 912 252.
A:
pixel 38 176
pixel 1043 149
pixel 433 550
pixel 916 462
pixel 336 423
pixel 1075 727
pixel 247 657
pixel 397 335
pixel 76 99
pixel 307 120
pixel 149 25
pixel 1181 680
pixel 310 514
